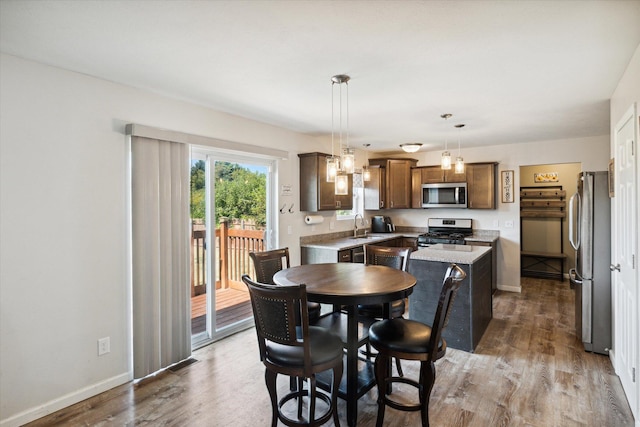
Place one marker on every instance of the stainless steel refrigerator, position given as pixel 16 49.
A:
pixel 590 236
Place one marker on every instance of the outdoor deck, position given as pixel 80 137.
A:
pixel 231 306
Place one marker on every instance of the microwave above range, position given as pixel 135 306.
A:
pixel 444 195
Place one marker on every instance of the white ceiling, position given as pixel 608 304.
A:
pixel 512 71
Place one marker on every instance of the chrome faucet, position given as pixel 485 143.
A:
pixel 355 224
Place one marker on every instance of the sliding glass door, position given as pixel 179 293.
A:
pixel 230 205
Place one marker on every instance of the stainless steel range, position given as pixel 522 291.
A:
pixel 445 230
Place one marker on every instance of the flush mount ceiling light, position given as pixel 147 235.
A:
pixel 445 160
pixel 459 167
pixel 411 147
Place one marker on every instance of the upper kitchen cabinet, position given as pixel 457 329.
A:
pixel 375 189
pixel 435 174
pixel 316 194
pixel 481 185
pixel 397 181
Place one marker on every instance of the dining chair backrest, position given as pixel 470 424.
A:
pixel 394 257
pixel 275 312
pixel 452 280
pixel 268 263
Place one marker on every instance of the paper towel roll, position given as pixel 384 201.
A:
pixel 313 219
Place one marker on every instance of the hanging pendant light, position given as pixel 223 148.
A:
pixel 333 162
pixel 345 163
pixel 445 160
pixel 459 167
pixel 366 172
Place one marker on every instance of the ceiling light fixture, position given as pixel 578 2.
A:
pixel 411 147
pixel 459 167
pixel 445 160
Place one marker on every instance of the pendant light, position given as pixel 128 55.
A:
pixel 459 167
pixel 347 154
pixel 333 162
pixel 366 172
pixel 445 160
pixel 345 164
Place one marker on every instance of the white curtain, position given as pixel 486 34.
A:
pixel 160 254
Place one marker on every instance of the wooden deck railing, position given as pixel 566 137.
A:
pixel 232 257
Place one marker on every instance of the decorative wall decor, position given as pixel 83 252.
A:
pixel 612 183
pixel 545 177
pixel 506 184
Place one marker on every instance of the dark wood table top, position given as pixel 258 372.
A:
pixel 347 283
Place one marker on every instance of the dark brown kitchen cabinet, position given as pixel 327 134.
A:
pixel 316 194
pixel 416 188
pixel 398 181
pixel 375 189
pixel 435 174
pixel 481 185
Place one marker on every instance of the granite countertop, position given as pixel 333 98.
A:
pixel 460 254
pixel 488 236
pixel 351 242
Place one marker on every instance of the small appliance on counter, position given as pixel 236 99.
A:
pixel 382 224
pixel 445 230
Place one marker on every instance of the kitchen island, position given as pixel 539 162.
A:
pixel 472 308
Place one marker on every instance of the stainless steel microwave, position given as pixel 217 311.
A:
pixel 444 195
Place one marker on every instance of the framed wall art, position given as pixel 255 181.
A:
pixel 506 185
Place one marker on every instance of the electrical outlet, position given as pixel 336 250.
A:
pixel 496 223
pixel 104 346
pixel 508 224
pixel 332 225
pixel 289 229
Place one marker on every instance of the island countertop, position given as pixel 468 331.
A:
pixel 460 254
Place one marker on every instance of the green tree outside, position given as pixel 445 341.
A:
pixel 239 192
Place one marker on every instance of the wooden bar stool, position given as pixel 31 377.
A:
pixel 294 349
pixel 412 340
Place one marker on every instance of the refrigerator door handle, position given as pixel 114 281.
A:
pixel 574 227
pixel 573 277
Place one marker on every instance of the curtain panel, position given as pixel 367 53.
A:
pixel 160 254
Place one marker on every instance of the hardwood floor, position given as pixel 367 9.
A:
pixel 529 370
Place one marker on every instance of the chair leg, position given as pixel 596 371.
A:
pixel 270 380
pixel 312 400
pixel 427 379
pixel 399 368
pixel 300 400
pixel 337 377
pixel 382 373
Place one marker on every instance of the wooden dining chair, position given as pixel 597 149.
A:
pixel 394 257
pixel 268 263
pixel 294 348
pixel 412 340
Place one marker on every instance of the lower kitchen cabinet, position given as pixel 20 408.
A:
pixel 472 308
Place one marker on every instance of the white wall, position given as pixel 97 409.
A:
pixel 63 266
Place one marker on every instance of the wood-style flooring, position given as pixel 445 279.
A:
pixel 528 370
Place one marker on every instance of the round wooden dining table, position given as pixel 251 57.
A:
pixel 345 285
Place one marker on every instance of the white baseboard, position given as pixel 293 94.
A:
pixel 64 401
pixel 517 289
